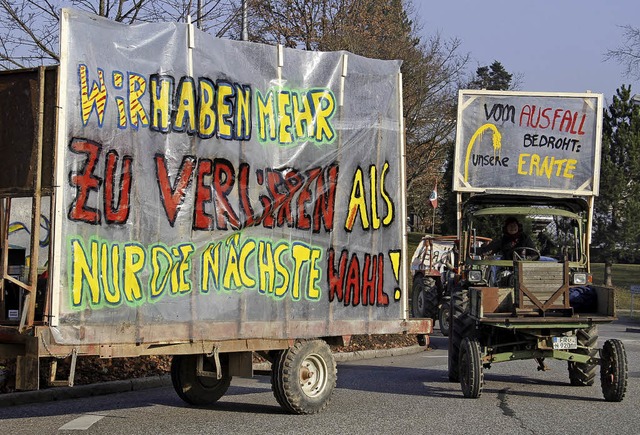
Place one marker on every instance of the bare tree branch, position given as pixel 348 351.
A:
pixel 628 54
pixel 29 29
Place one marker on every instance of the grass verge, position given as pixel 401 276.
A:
pixel 623 277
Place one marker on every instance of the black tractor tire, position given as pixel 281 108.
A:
pixel 431 299
pixel 304 376
pixel 417 297
pixel 461 326
pixel 444 318
pixel 471 369
pixel 613 370
pixel 198 390
pixel 584 374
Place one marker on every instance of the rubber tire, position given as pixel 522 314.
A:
pixel 444 317
pixel 584 374
pixel 296 392
pixel 417 298
pixel 197 390
pixel 431 301
pixel 471 370
pixel 461 326
pixel 613 371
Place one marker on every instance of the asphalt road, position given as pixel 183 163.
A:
pixel 392 395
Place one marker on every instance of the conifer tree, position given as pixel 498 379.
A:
pixel 493 78
pixel 617 208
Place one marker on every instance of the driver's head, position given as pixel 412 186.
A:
pixel 511 226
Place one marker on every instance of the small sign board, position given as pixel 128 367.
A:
pixel 13 314
pixel 635 289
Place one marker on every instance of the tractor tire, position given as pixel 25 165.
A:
pixel 431 301
pixel 461 326
pixel 584 374
pixel 417 297
pixel 444 317
pixel 613 370
pixel 304 376
pixel 198 390
pixel 471 370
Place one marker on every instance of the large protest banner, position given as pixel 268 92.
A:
pixel 528 141
pixel 222 189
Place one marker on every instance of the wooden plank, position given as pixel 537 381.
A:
pixel 542 285
pixel 27 372
pixel 544 277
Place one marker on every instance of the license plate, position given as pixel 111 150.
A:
pixel 563 343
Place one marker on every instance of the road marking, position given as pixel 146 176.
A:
pixel 82 423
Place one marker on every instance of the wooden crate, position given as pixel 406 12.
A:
pixel 541 286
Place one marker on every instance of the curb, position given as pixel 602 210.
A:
pixel 65 393
pixel 138 384
pixel 625 318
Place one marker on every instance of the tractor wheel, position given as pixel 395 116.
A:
pixel 443 318
pixel 198 390
pixel 431 299
pixel 461 326
pixel 417 298
pixel 471 370
pixel 584 374
pixel 613 370
pixel 304 377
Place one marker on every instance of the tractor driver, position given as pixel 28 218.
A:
pixel 512 238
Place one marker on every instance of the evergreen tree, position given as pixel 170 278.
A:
pixel 448 198
pixel 493 78
pixel 617 227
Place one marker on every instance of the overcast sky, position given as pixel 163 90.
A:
pixel 556 45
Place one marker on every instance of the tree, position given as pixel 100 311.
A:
pixel 366 27
pixel 448 209
pixel 430 96
pixel 220 18
pixel 617 227
pixel 628 54
pixel 493 78
pixel 431 70
pixel 29 28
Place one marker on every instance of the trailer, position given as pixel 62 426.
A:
pixel 164 192
pixel 530 161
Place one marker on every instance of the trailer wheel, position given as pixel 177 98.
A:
pixel 613 371
pixel 304 377
pixel 417 298
pixel 584 374
pixel 471 370
pixel 461 326
pixel 443 318
pixel 197 390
